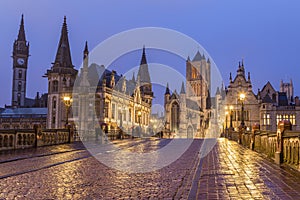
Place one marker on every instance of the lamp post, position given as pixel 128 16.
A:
pixel 242 99
pixel 226 119
pixel 242 126
pixel 68 103
pixel 231 111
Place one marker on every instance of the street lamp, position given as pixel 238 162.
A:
pixel 68 103
pixel 226 115
pixel 231 111
pixel 242 99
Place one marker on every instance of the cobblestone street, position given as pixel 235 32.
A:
pixel 229 171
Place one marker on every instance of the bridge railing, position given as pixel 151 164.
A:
pixel 27 138
pixel 286 143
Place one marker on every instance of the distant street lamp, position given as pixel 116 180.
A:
pixel 242 99
pixel 68 103
pixel 231 111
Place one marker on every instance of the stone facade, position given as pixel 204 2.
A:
pixel 265 108
pixel 61 78
pixel 188 114
pixel 103 99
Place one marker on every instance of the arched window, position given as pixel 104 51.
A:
pixel 19 86
pixel 20 74
pixel 54 102
pixel 55 86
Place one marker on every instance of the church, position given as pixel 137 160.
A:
pixel 188 113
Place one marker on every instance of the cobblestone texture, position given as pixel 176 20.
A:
pixel 229 171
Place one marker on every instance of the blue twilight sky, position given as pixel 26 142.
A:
pixel 265 33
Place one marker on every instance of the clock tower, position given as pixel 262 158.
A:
pixel 20 63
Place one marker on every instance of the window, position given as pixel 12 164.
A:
pixel 266 119
pixel 106 105
pixel 113 111
pixel 54 103
pixel 19 86
pixel 278 119
pixel 53 119
pixel 233 115
pixel 20 74
pixel 129 115
pixel 55 86
pixel 293 119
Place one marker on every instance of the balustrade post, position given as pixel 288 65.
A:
pixel 282 126
pixel 255 127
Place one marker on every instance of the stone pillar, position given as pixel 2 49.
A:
pixel 282 126
pixel 255 127
pixel 38 135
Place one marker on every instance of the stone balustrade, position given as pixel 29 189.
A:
pixel 27 138
pixel 283 146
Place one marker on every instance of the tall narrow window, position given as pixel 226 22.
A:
pixel 20 74
pixel 55 86
pixel 54 103
pixel 293 119
pixel 19 86
pixel 266 119
pixel 106 109
pixel 113 111
pixel 129 115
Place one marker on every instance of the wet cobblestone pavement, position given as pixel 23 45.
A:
pixel 229 171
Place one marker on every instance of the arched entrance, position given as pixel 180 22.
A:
pixel 174 116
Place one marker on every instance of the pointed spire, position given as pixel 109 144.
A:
pixel 203 57
pixel 21 35
pixel 85 57
pixel 208 60
pixel 133 77
pixel 197 57
pixel 218 91
pixel 182 90
pixel 143 73
pixel 167 89
pixel 249 76
pixel 63 55
pixel 144 60
pixel 230 77
pixel 188 59
pixel 86 49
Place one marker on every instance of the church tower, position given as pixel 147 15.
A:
pixel 143 74
pixel 198 76
pixel 61 78
pixel 20 63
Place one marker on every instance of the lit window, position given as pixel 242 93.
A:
pixel 293 119
pixel 266 119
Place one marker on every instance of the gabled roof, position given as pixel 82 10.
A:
pixel 267 99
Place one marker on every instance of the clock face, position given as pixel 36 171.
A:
pixel 20 61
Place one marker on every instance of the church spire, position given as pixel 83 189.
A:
pixel 182 90
pixel 143 70
pixel 144 60
pixel 167 89
pixel 86 57
pixel 63 55
pixel 21 35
